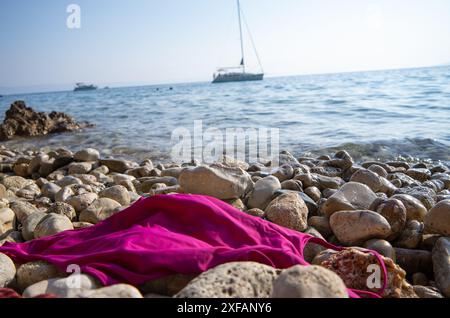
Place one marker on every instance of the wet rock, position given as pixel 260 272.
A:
pixel 7 270
pixel 22 209
pixel 441 265
pixel 34 272
pixel 394 212
pixel 381 246
pixel 356 227
pixel 415 210
pixel 232 280
pixel 117 165
pixel 341 160
pixel 61 287
pixel 217 181
pixel 437 221
pixel 62 208
pixel 30 223
pixel 25 122
pixel 118 193
pixel 308 282
pixel 379 170
pixel 21 169
pixel 99 210
pixel 88 154
pixel 351 196
pixel 263 192
pixel 288 210
pixel 319 181
pixel 52 224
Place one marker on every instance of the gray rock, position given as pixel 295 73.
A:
pixel 217 181
pixel 7 270
pixel 88 154
pixel 263 192
pixel 308 282
pixel 99 210
pixel 33 272
pixel 52 224
pixel 23 209
pixel 117 193
pixel 30 223
pixel 82 202
pixel 232 280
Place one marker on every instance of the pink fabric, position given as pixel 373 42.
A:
pixel 169 234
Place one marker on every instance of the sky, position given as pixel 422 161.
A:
pixel 141 42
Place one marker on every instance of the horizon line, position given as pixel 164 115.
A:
pixel 130 85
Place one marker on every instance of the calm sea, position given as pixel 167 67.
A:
pixel 374 115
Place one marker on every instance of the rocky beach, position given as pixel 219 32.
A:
pixel 397 208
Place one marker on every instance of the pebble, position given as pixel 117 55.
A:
pixel 288 210
pixel 52 224
pixel 118 193
pixel 87 154
pixel 229 183
pixel 23 209
pixel 437 221
pixel 263 192
pixel 30 223
pixel 356 227
pixel 81 202
pixel 99 210
pixel 6 219
pixel 394 212
pixel 351 196
pixel 415 210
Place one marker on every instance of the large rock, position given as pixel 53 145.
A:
pixel 232 280
pixel 118 165
pixel 217 181
pixel 394 212
pixel 52 224
pixel 351 196
pixel 263 192
pixel 437 221
pixel 16 182
pixel 33 272
pixel 308 282
pixel 369 178
pixel 356 227
pixel 424 194
pixel 288 210
pixel 7 270
pixel 23 121
pixel 441 265
pixel 117 193
pixel 99 210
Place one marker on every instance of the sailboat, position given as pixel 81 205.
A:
pixel 238 73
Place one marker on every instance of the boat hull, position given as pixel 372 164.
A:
pixel 237 77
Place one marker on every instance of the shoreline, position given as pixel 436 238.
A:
pixel 397 209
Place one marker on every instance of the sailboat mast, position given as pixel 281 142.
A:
pixel 240 32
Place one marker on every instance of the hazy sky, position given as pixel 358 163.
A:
pixel 133 42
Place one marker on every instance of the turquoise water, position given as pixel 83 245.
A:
pixel 382 114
